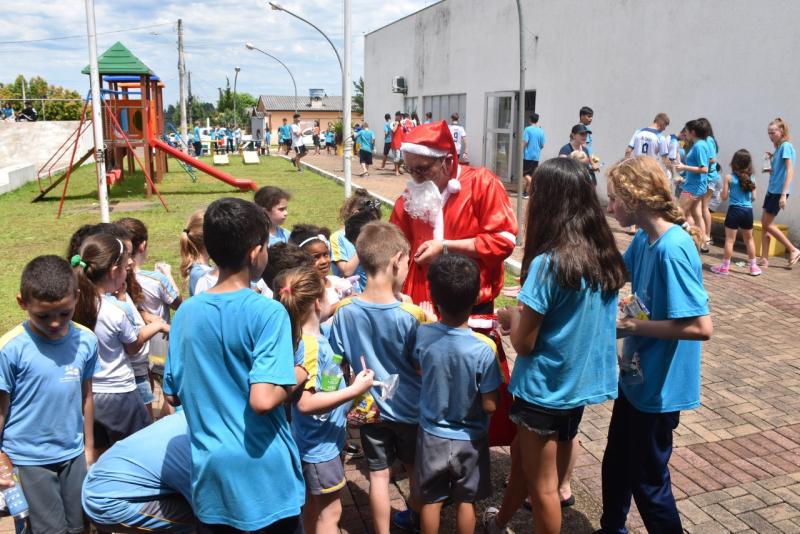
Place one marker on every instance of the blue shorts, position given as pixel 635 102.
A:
pixel 772 203
pixel 143 386
pixel 739 217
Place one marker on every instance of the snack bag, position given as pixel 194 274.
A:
pixel 365 411
pixel 630 369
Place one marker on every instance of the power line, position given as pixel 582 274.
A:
pixel 63 37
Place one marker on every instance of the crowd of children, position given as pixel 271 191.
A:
pixel 288 337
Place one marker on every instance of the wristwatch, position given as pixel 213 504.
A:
pixel 444 247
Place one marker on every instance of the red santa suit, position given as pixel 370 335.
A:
pixel 480 210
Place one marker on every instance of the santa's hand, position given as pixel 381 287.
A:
pixel 429 310
pixel 428 251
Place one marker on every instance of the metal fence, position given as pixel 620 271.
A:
pixel 40 104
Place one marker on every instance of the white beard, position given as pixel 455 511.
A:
pixel 422 201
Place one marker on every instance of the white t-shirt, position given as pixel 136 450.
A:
pixel 673 148
pixel 206 282
pixel 263 289
pixel 297 135
pixel 458 133
pixel 158 292
pixel 114 328
pixel 648 142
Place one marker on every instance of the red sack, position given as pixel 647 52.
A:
pixel 501 429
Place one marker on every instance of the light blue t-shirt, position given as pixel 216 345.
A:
pixel 319 438
pixel 574 360
pixel 457 365
pixel 196 134
pixel 246 469
pixel 342 249
pixel 713 175
pixel 387 132
pixel 737 196
pixel 534 136
pixel 365 138
pixel 667 276
pixel 589 144
pixel 43 378
pixel 281 236
pixel 286 131
pixel 152 463
pixel 384 334
pixel 778 175
pixel 696 184
pixel 196 272
pixel 329 136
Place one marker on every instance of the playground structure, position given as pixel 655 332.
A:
pixel 133 123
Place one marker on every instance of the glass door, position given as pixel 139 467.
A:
pixel 498 145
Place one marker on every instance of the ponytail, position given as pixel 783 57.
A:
pixel 192 245
pixel 742 167
pixel 97 255
pixel 298 289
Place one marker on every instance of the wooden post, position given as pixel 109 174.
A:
pixel 144 83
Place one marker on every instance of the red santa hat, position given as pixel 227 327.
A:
pixel 431 140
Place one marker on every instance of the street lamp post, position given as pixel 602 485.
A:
pixel 250 46
pixel 346 86
pixel 235 119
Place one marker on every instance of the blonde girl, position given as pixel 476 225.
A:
pixel 319 413
pixel 194 258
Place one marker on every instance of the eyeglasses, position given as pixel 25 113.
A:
pixel 423 170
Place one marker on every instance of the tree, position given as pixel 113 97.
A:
pixel 358 96
pixel 244 102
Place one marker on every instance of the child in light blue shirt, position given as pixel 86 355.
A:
pixel 234 346
pixel 460 378
pixel 46 369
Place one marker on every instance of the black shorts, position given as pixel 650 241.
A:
pixel 330 145
pixel 387 147
pixel 546 421
pixel 300 150
pixel 117 416
pixel 365 157
pixel 315 139
pixel 529 167
pixel 386 441
pixel 54 494
pixel 451 468
pixel 772 203
pixel 286 142
pixel 739 217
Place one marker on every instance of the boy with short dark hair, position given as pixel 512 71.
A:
pixel 460 378
pixel 230 363
pixel 46 406
pixel 379 328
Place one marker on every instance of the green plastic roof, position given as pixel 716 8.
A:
pixel 119 60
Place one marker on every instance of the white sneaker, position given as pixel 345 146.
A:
pixel 490 521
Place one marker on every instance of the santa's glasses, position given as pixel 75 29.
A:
pixel 424 170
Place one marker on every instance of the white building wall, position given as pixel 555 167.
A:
pixel 731 61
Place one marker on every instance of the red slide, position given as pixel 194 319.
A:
pixel 243 185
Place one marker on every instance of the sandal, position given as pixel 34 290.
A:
pixel 793 258
pixel 762 262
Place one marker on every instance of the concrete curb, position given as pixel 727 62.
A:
pixel 512 266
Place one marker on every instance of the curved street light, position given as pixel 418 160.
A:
pixel 250 46
pixel 235 77
pixel 346 87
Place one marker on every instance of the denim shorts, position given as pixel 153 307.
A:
pixel 143 386
pixel 546 421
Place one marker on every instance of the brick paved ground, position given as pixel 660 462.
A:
pixel 736 465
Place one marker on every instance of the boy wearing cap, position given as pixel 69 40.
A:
pixel 577 141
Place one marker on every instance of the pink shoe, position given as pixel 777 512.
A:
pixel 720 269
pixel 762 262
pixel 754 269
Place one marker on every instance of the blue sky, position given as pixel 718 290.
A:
pixel 214 37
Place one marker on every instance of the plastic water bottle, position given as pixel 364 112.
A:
pixel 15 499
pixel 331 376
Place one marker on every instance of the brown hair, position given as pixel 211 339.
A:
pixel 742 167
pixel 780 123
pixel 269 196
pixel 298 289
pixel 641 184
pixel 137 234
pixel 353 204
pixel 98 254
pixel 377 243
pixel 192 245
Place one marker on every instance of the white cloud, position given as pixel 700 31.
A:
pixel 215 33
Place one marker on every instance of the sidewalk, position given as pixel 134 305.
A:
pixel 736 463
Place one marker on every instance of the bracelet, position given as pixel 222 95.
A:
pixel 444 247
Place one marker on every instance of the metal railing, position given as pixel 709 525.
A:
pixel 42 104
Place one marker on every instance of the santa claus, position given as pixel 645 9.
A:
pixel 448 208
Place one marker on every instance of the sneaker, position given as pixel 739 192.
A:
pixel 721 269
pixel 754 269
pixel 353 451
pixel 407 520
pixel 489 521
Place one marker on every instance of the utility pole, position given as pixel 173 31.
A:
pixel 182 82
pixel 189 112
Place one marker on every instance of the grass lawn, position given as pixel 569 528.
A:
pixel 32 229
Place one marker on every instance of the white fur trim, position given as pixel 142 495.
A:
pixel 511 237
pixel 453 186
pixel 423 150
